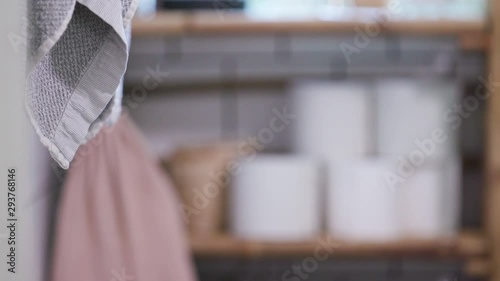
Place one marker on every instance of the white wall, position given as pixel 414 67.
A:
pixel 18 149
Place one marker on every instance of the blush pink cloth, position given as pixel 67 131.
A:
pixel 118 219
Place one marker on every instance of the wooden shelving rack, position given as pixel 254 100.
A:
pixel 465 245
pixel 479 250
pixel 470 247
pixel 472 34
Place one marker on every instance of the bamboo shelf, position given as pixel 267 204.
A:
pixel 480 252
pixel 472 35
pixel 470 247
pixel 464 246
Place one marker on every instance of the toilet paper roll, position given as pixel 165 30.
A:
pixel 412 112
pixel 422 204
pixel 361 206
pixel 276 198
pixel 429 201
pixel 332 119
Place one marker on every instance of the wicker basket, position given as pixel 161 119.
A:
pixel 200 174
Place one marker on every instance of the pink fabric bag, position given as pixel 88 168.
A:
pixel 118 218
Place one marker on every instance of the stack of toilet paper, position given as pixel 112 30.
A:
pixel 381 156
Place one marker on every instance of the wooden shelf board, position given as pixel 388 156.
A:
pixel 168 23
pixel 238 22
pixel 165 23
pixel 465 245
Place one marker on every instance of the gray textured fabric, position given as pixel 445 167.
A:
pixel 78 53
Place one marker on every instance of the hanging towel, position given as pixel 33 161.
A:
pixel 77 55
pixel 118 218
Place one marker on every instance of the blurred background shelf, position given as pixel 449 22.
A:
pixel 163 23
pixel 472 33
pixel 468 244
pixel 213 22
pixel 227 70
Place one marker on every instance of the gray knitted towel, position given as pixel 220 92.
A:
pixel 78 51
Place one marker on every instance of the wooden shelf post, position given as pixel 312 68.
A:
pixel 493 142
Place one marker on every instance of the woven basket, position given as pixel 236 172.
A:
pixel 197 173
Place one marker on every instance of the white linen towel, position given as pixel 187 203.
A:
pixel 78 52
